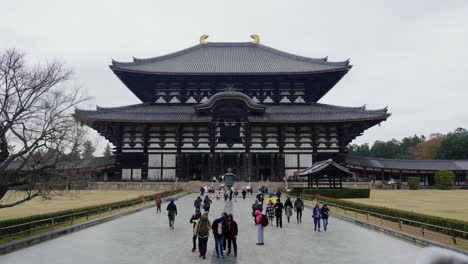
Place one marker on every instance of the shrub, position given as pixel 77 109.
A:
pixel 427 219
pixel 298 190
pixel 444 179
pixel 413 183
pixel 398 184
pixel 339 193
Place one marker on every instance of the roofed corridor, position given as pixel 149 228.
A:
pixel 145 237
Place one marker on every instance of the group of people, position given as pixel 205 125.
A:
pixel 224 230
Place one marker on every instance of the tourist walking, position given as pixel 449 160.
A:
pixel 279 213
pixel 171 213
pixel 232 234
pixel 202 190
pixel 316 214
pixel 244 193
pixel 260 226
pixel 197 204
pixel 218 228
pixel 256 206
pixel 288 208
pixel 230 194
pixel 207 203
pixel 325 215
pixel 236 193
pixel 194 221
pixel 278 194
pixel 202 232
pixel 270 212
pixel 299 207
pixel 226 196
pixel 158 205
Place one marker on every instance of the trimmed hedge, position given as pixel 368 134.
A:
pixel 427 219
pixel 413 183
pixel 114 205
pixel 298 190
pixel 339 193
pixel 444 179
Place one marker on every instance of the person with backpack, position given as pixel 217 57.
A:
pixel 202 232
pixel 194 221
pixel 232 232
pixel 256 206
pixel 316 215
pixel 261 222
pixel 288 208
pixel 171 213
pixel 299 207
pixel 279 213
pixel 197 204
pixel 158 205
pixel 270 212
pixel 218 227
pixel 207 203
pixel 325 215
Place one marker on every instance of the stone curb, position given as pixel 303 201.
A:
pixel 33 240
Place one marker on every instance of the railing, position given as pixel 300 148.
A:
pixel 418 228
pixel 29 227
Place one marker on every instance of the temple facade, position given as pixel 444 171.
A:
pixel 215 106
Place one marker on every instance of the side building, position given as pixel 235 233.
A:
pixel 215 106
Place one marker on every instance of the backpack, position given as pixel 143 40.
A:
pixel 264 220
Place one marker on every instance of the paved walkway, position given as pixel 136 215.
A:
pixel 145 237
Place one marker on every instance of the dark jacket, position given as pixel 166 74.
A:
pixel 197 203
pixel 215 224
pixel 171 208
pixel 279 208
pixel 299 204
pixel 232 229
pixel 203 228
pixel 207 203
pixel 325 212
pixel 317 212
pixel 288 203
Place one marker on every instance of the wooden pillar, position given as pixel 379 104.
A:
pixel 341 182
pixel 330 182
pixel 382 175
pixel 334 183
pixel 272 168
pixel 316 182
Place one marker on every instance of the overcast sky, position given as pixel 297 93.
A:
pixel 411 56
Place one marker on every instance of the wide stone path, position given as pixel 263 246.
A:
pixel 145 237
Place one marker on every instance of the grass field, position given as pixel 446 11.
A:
pixel 63 200
pixel 449 204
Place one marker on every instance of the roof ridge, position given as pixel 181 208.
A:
pixel 137 61
pixel 303 58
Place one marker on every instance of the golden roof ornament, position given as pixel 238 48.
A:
pixel 203 39
pixel 256 39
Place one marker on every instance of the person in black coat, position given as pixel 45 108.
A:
pixel 244 193
pixel 232 232
pixel 207 203
pixel 171 213
pixel 325 214
pixel 219 229
pixel 279 213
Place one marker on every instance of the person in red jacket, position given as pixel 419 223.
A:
pixel 260 227
pixel 232 234
pixel 158 205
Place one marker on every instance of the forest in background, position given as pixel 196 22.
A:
pixel 453 145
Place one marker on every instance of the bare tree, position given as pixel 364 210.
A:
pixel 35 106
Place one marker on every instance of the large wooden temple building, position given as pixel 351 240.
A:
pixel 215 106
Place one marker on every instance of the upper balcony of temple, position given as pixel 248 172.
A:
pixel 205 69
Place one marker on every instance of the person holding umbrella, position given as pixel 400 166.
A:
pixel 171 212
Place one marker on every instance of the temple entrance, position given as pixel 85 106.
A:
pixel 264 174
